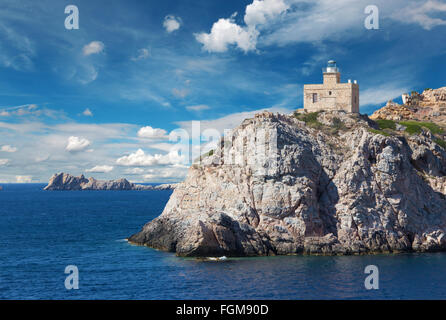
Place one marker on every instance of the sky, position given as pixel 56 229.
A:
pixel 120 95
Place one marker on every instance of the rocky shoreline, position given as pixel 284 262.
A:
pixel 68 182
pixel 331 183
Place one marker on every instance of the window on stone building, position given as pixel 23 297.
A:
pixel 314 97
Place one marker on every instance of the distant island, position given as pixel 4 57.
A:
pixel 68 182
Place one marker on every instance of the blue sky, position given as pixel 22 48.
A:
pixel 77 100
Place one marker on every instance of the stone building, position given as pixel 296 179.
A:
pixel 332 94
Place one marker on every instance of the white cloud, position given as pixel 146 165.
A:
pixel 180 93
pixel 420 14
pixel 93 47
pixel 31 110
pixel 381 94
pixel 134 171
pixel 100 169
pixel 319 20
pixel 8 148
pixel 199 107
pixel 41 158
pixel 260 11
pixel 226 32
pixel 142 54
pixel 166 174
pixel 283 22
pixel 86 74
pixel 141 159
pixel 4 162
pixel 230 121
pixel 87 112
pixel 17 50
pixel 23 179
pixel 172 23
pixel 152 133
pixel 76 144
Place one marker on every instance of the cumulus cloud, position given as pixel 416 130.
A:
pixel 141 159
pixel 260 11
pixel 93 47
pixel 226 32
pixel 152 133
pixel 4 162
pixel 76 144
pixel 87 112
pixel 23 179
pixel 8 148
pixel 172 23
pixel 100 169
pixel 199 107
pixel 283 22
pixel 141 54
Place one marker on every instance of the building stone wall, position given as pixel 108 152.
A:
pixel 331 95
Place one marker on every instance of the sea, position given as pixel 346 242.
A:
pixel 44 232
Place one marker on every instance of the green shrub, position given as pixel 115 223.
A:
pixel 309 118
pixel 386 124
pixel 441 143
pixel 337 124
pixel 435 129
pixel 207 154
pixel 411 127
pixel 380 132
pixel 414 127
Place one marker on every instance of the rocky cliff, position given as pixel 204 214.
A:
pixel 65 181
pixel 330 184
pixel 427 106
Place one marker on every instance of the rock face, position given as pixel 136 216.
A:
pixel 427 106
pixel 340 188
pixel 65 181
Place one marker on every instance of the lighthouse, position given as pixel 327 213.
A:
pixel 332 94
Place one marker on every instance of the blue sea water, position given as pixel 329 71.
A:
pixel 43 232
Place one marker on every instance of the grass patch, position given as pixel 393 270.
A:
pixel 207 154
pixel 380 132
pixel 386 124
pixel 309 119
pixel 337 124
pixel 441 143
pixel 414 127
